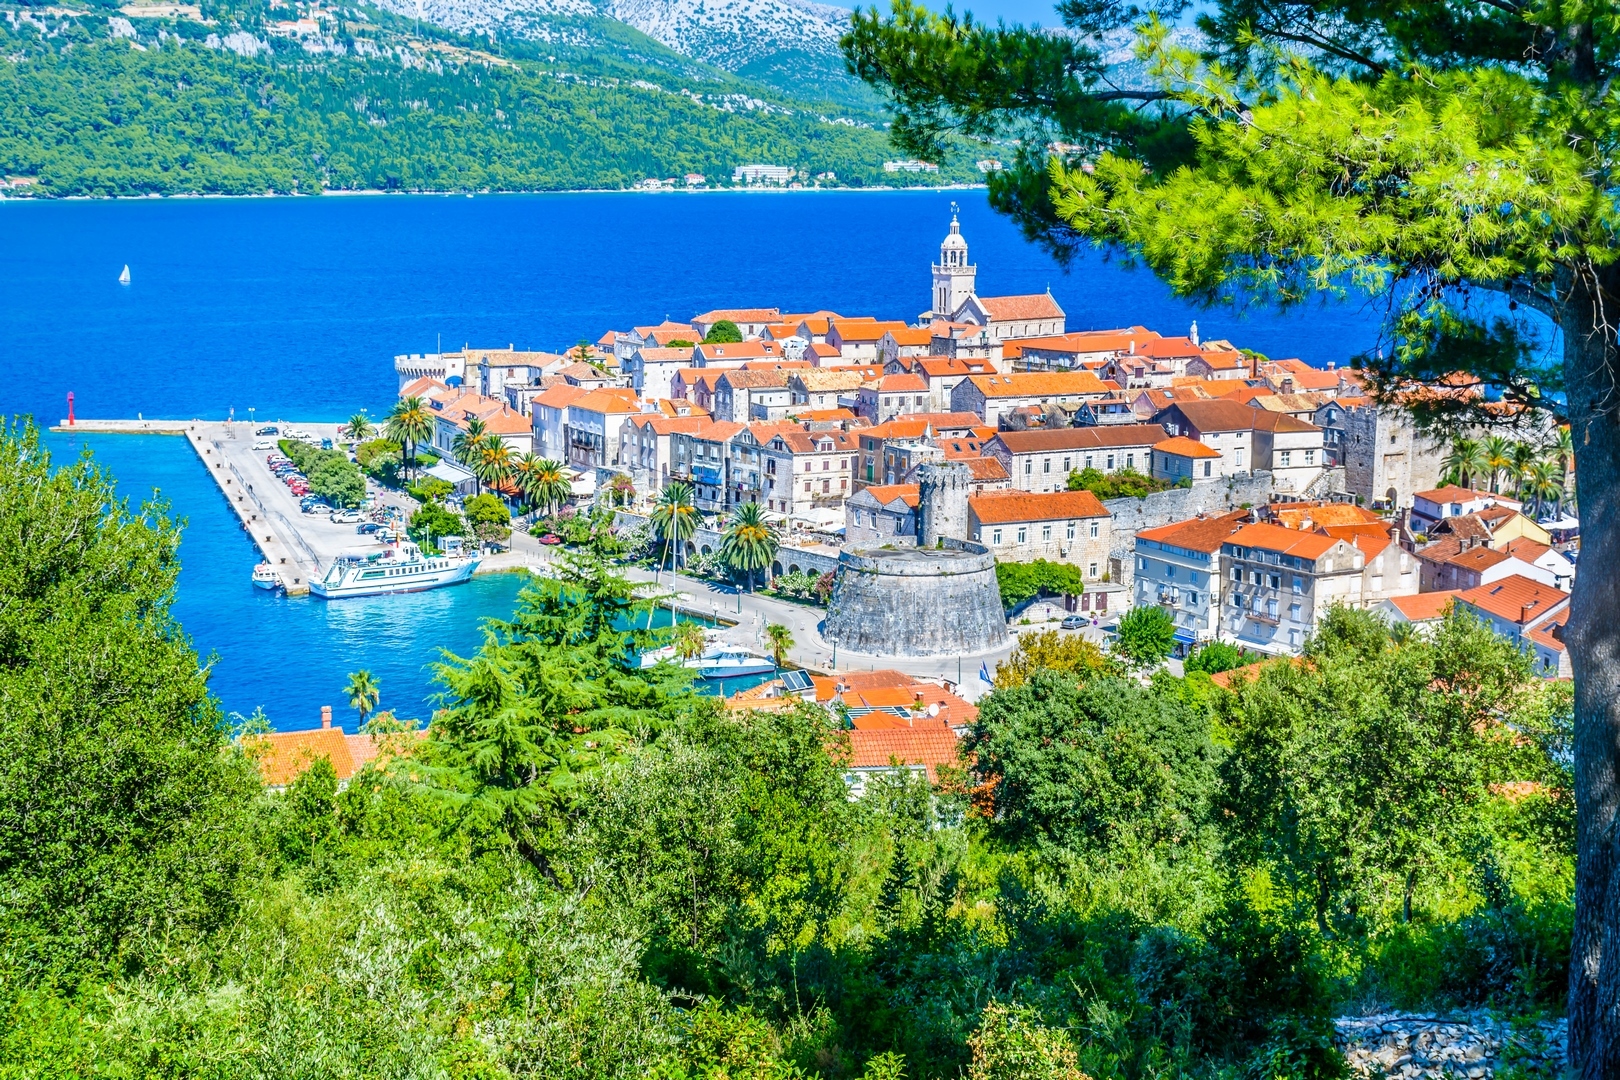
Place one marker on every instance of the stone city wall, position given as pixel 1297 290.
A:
pixel 1403 1046
pixel 788 558
pixel 902 600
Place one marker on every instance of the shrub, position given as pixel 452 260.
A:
pixel 1119 485
pixel 432 522
pixel 1025 581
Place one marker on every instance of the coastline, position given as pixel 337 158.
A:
pixel 373 192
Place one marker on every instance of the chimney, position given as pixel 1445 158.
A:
pixel 326 716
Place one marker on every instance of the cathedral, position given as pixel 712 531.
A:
pixel 956 298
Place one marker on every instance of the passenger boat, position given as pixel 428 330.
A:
pixel 265 577
pixel 729 663
pixel 399 568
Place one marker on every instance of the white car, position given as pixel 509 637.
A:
pixel 265 444
pixel 346 517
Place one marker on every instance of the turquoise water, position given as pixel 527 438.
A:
pixel 295 308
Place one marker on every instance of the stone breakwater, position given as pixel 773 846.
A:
pixel 1403 1046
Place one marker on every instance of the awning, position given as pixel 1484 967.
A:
pixel 1186 637
pixel 451 473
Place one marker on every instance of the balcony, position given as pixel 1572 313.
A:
pixel 1263 617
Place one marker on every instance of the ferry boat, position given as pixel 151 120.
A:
pixel 265 577
pixel 399 568
pixel 729 663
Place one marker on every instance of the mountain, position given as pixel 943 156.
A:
pixel 164 97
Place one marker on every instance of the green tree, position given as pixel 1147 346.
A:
pixel 1147 635
pixel 1020 582
pixel 723 332
pixel 1013 1044
pixel 675 519
pixel 689 640
pixel 358 428
pixel 121 802
pixel 1049 650
pixel 781 641
pixel 490 460
pixel 491 521
pixel 410 424
pixel 1466 461
pixel 1431 154
pixel 1214 657
pixel 362 693
pixel 1115 485
pixel 1543 485
pixel 749 542
pixel 1497 451
pixel 337 480
pixel 1107 771
pixel 433 522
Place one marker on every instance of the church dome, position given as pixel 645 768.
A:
pixel 954 241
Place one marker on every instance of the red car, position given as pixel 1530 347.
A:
pixel 551 538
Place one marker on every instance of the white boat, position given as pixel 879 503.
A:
pixel 123 279
pixel 400 567
pixel 729 663
pixel 265 577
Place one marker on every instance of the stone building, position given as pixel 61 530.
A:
pixel 1385 460
pixel 942 508
pixel 1178 568
pixel 881 513
pixel 1041 460
pixel 1063 526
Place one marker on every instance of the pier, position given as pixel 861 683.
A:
pixel 226 452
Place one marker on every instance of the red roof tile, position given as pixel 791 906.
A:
pixel 999 507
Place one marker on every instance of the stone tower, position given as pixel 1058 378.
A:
pixel 953 274
pixel 942 502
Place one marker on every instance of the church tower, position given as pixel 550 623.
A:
pixel 953 274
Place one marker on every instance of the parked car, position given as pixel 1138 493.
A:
pixel 551 538
pixel 263 444
pixel 268 429
pixel 367 527
pixel 1073 622
pixel 326 444
pixel 346 517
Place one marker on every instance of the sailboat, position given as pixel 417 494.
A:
pixel 123 279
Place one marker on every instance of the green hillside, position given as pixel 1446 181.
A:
pixel 171 111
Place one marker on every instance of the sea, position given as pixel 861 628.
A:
pixel 295 307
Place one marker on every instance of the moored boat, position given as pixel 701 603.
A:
pixel 401 567
pixel 265 577
pixel 729 663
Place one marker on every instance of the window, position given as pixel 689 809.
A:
pixel 995 536
pixel 1046 465
pixel 1091 570
pixel 826 486
pixel 1029 467
pixel 807 487
pixel 1206 468
pixel 1141 564
pixel 1130 461
pixel 1239 460
pixel 1046 533
pixel 843 463
pixel 1285 458
pixel 1088 461
pixel 1192 599
pixel 1065 465
pixel 1070 532
pixel 825 464
pixel 1237 574
pixel 1110 462
pixel 1023 535
pixel 1293 638
pixel 1094 528
pixel 1299 584
pixel 1310 457
pixel 1170 571
pixel 1275 581
pixel 1293 612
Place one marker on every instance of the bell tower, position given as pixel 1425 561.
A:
pixel 953 274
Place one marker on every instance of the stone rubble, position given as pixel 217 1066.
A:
pixel 1470 1046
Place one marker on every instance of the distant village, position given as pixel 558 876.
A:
pixel 1269 489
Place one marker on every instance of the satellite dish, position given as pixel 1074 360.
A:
pixel 933 710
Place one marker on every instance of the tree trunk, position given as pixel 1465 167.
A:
pixel 1590 308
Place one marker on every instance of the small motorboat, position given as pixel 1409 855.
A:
pixel 729 663
pixel 265 577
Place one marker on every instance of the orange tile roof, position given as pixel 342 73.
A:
pixel 811 416
pixel 1205 534
pixel 1081 341
pixel 602 401
pixel 864 329
pixel 1479 558
pixel 747 314
pixel 1032 306
pixel 1451 493
pixel 899 384
pixel 736 350
pixel 913 425
pixel 984 469
pixel 283 755
pixel 824 380
pixel 1285 541
pixel 936 367
pixel 1038 384
pixel 927 746
pixel 1371 545
pixel 1550 632
pixel 653 355
pixel 1515 598
pixel 1215 388
pixel 561 395
pixel 887 493
pixel 1527 549
pixel 1081 438
pixel 912 335
pixel 751 379
pixel 423 387
pixel 1424 606
pixel 1185 447
pixel 999 507
pixel 1308 516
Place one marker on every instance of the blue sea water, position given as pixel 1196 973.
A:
pixel 295 308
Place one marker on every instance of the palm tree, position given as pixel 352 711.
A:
pixel 409 424
pixel 1563 448
pixel 1524 456
pixel 463 445
pixel 675 519
pixel 1498 454
pixel 544 481
pixel 362 693
pixel 1466 461
pixel 358 428
pixel 781 639
pixel 490 460
pixel 689 640
pixel 749 542
pixel 1543 484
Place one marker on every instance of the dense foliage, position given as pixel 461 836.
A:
pixel 331 474
pixel 583 868
pixel 171 111
pixel 1115 485
pixel 1024 581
